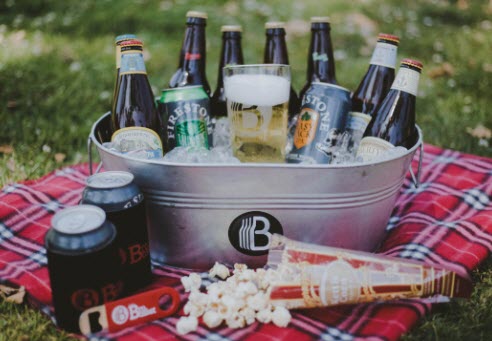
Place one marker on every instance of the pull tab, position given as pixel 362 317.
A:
pixel 130 311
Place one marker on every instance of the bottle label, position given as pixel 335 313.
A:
pixel 358 121
pixel 132 63
pixel 371 148
pixel 385 55
pixel 323 57
pixel 138 139
pixel 407 80
pixel 188 123
pixel 192 56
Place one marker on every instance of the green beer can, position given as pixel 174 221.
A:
pixel 185 114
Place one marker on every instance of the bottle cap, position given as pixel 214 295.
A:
pixel 196 14
pixel 412 62
pixel 132 42
pixel 320 20
pixel 123 37
pixel 274 24
pixel 231 28
pixel 389 37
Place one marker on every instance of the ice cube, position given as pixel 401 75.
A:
pixel 200 155
pixel 222 135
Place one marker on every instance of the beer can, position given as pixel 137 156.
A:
pixel 83 263
pixel 321 121
pixel 186 117
pixel 118 195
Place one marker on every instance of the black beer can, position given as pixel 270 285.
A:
pixel 83 263
pixel 321 122
pixel 118 195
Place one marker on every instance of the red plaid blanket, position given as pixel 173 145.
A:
pixel 446 221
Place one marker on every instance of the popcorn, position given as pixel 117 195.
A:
pixel 191 282
pixel 237 300
pixel 281 317
pixel 219 270
pixel 187 325
pixel 212 319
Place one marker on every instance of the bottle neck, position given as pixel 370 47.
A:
pixel 192 59
pixel 406 80
pixel 231 53
pixel 321 64
pixel 132 62
pixel 384 54
pixel 276 48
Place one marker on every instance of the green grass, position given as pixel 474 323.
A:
pixel 57 74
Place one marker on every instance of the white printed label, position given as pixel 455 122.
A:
pixel 358 121
pixel 407 80
pixel 122 314
pixel 385 55
pixel 138 139
pixel 371 147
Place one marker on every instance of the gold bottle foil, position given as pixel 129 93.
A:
pixel 320 276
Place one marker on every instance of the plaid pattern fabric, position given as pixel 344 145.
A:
pixel 446 221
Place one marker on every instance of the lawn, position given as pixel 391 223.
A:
pixel 57 74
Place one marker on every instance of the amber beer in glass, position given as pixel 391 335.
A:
pixel 257 105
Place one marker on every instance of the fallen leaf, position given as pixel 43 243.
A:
pixel 14 295
pixel 463 4
pixel 6 149
pixel 443 70
pixel 480 132
pixel 11 104
pixel 11 165
pixel 487 67
pixel 60 157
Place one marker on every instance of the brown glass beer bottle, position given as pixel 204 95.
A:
pixel 135 122
pixel 231 54
pixel 276 53
pixel 191 69
pixel 373 87
pixel 321 64
pixel 394 122
pixel 117 42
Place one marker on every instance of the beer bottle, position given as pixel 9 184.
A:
pixel 119 39
pixel 191 69
pixel 135 122
pixel 321 64
pixel 231 54
pixel 374 87
pixel 394 122
pixel 276 53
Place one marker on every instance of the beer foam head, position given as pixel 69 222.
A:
pixel 259 90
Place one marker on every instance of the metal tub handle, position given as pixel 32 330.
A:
pixel 416 179
pixel 89 151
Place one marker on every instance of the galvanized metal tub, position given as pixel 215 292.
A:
pixel 202 213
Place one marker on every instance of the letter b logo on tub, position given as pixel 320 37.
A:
pixel 251 232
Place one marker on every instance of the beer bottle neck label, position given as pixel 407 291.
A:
pixel 132 62
pixel 384 55
pixel 407 80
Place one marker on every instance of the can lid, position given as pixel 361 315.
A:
pixel 78 219
pixel 274 24
pixel 196 14
pixel 124 37
pixel 389 37
pixel 320 20
pixel 412 62
pixel 231 28
pixel 132 42
pixel 110 179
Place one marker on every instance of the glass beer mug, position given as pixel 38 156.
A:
pixel 257 106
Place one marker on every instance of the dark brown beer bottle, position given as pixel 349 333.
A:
pixel 191 69
pixel 135 121
pixel 374 86
pixel 321 64
pixel 231 54
pixel 119 39
pixel 276 53
pixel 394 122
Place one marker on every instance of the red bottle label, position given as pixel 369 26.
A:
pixel 192 56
